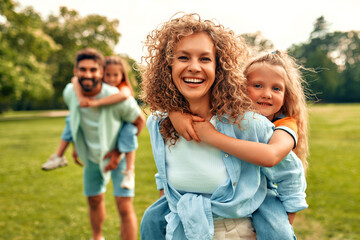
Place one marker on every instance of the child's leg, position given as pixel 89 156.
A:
pixel 129 174
pixel 153 223
pixel 127 139
pixel 58 160
pixel 66 138
pixel 127 143
pixel 61 148
pixel 271 220
pixel 130 161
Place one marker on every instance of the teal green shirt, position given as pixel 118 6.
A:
pixel 111 118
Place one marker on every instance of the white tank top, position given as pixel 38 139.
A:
pixel 195 167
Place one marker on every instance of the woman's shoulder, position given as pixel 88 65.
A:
pixel 247 118
pixel 155 118
pixel 253 118
pixel 253 127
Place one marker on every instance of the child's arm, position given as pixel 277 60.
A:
pixel 183 124
pixel 83 101
pixel 112 99
pixel 266 155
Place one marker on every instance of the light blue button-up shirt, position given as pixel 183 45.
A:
pixel 191 215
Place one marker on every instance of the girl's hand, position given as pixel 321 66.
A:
pixel 183 124
pixel 205 130
pixel 84 102
pixel 74 80
pixel 93 103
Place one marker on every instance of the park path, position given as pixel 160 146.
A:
pixel 61 113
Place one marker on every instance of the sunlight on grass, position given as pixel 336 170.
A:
pixel 50 205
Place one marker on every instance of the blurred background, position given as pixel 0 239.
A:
pixel 38 43
pixel 39 40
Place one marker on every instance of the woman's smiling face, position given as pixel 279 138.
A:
pixel 193 67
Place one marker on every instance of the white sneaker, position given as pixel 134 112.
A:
pixel 54 162
pixel 129 180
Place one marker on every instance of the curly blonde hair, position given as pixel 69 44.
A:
pixel 295 96
pixel 228 93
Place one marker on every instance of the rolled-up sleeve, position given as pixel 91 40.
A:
pixel 289 177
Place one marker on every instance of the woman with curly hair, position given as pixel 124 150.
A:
pixel 195 66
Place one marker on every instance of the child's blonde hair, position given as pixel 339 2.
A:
pixel 228 93
pixel 294 99
pixel 116 60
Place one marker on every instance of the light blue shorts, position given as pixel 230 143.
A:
pixel 127 139
pixel 66 135
pixel 94 183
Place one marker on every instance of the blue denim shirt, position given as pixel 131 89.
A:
pixel 191 215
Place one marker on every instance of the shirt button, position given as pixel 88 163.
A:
pixel 219 129
pixel 234 184
pixel 226 155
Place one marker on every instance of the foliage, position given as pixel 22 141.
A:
pixel 257 42
pixel 71 32
pixel 24 79
pixel 50 205
pixel 336 58
pixel 134 75
pixel 37 56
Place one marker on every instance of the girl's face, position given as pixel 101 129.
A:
pixel 193 67
pixel 113 75
pixel 266 88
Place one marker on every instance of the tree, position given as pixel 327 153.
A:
pixel 24 80
pixel 336 57
pixel 71 32
pixel 257 42
pixel 134 74
pixel 350 54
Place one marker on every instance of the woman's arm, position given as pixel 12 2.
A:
pixel 266 155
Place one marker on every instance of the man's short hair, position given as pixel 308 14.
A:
pixel 90 53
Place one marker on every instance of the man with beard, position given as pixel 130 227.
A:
pixel 95 132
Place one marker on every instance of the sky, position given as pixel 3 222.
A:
pixel 284 22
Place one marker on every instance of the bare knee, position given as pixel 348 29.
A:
pixel 125 206
pixel 95 201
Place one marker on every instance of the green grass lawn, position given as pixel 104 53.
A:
pixel 50 205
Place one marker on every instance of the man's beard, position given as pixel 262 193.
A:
pixel 87 88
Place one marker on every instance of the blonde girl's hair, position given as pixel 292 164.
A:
pixel 228 93
pixel 295 96
pixel 116 60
